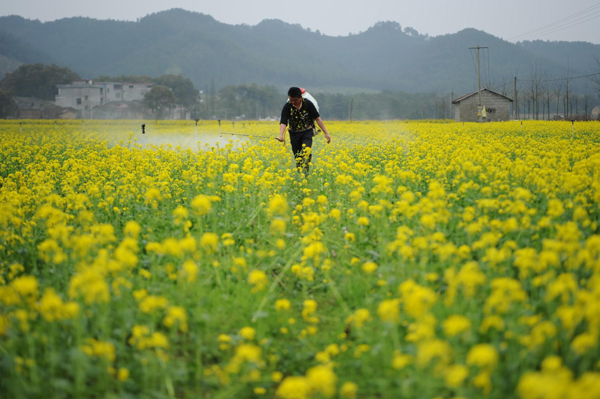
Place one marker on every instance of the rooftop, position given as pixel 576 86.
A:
pixel 459 99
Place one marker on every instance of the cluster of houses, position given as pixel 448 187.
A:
pixel 103 100
pixel 86 99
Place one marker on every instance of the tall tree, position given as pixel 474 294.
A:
pixel 587 102
pixel 537 76
pixel 160 99
pixel 37 80
pixel 251 101
pixel 557 91
pixel 8 105
pixel 183 89
pixel 567 77
pixel 548 94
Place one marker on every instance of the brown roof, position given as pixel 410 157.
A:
pixel 472 94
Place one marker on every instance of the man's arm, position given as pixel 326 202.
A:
pixel 285 116
pixel 324 129
pixel 282 128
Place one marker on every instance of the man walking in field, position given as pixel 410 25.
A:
pixel 301 114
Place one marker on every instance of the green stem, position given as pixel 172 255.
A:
pixel 288 266
pixel 79 367
pixel 336 293
pixel 168 379
pixel 250 220
pixel 231 392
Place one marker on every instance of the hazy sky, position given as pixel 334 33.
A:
pixel 511 20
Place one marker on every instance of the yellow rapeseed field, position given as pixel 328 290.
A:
pixel 415 260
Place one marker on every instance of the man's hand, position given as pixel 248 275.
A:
pixel 280 139
pixel 328 137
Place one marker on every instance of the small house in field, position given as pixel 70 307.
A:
pixel 497 107
pixel 67 113
pixel 35 108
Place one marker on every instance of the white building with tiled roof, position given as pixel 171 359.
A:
pixel 84 95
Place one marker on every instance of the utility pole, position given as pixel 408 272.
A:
pixel 479 107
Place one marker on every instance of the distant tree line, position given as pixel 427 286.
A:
pixel 384 105
pixel 37 80
pixel 243 101
pixel 255 102
pixel 539 95
pixel 8 105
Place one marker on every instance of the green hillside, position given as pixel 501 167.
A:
pixel 385 57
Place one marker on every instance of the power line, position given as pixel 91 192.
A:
pixel 575 77
pixel 501 86
pixel 568 78
pixel 552 25
pixel 589 18
pixel 563 23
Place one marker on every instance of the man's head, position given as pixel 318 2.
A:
pixel 295 96
pixel 295 92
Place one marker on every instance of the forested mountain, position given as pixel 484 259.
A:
pixel 14 52
pixel 385 57
pixel 576 55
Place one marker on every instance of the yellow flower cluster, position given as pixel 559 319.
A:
pixel 319 380
pixel 428 259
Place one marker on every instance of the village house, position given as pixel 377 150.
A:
pixel 35 108
pixel 497 107
pixel 84 95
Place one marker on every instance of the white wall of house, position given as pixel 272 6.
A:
pixel 84 95
pixel 80 97
pixel 116 91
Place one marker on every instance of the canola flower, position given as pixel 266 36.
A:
pixel 414 260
